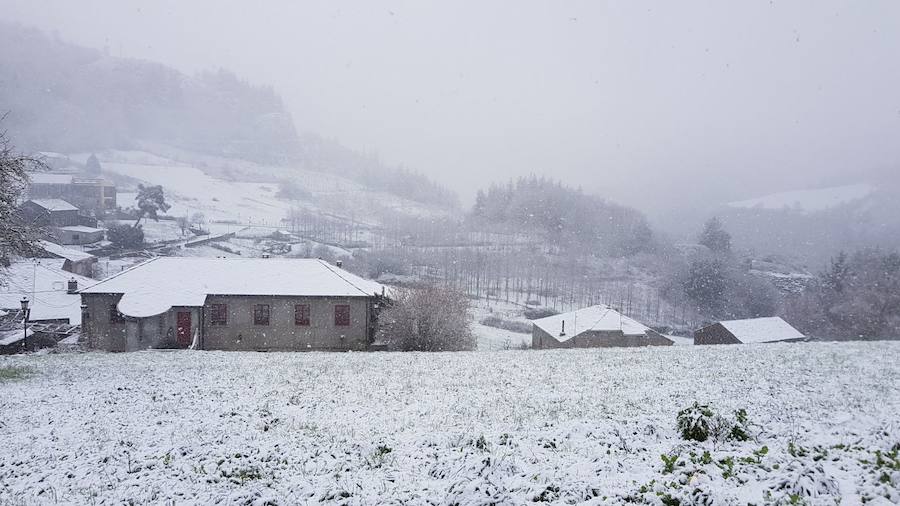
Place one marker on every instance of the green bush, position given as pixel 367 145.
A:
pixel 700 422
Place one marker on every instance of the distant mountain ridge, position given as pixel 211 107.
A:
pixel 815 224
pixel 819 199
pixel 67 98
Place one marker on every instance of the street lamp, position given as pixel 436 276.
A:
pixel 25 311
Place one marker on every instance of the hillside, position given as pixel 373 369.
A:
pixel 66 98
pixel 815 224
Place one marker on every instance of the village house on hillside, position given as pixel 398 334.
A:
pixel 75 261
pixel 593 327
pixel 54 306
pixel 93 194
pixel 62 221
pixel 754 330
pixel 232 304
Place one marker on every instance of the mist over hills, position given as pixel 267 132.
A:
pixel 63 97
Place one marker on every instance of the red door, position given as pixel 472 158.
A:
pixel 184 328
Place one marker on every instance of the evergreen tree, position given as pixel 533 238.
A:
pixel 715 237
pixel 480 204
pixel 150 201
pixel 706 284
pixel 92 166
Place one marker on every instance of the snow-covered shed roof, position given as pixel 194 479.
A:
pixel 155 286
pixel 82 229
pixel 762 330
pixel 45 284
pixel 54 204
pixel 64 252
pixel 49 178
pixel 600 318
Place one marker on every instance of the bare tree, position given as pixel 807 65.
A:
pixel 183 223
pixel 17 236
pixel 427 319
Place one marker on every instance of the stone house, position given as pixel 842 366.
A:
pixel 753 330
pixel 77 234
pixel 262 304
pixel 75 261
pixel 90 194
pixel 597 326
pixel 62 221
pixel 50 212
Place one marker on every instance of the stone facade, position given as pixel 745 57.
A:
pixel 596 339
pixel 714 334
pixel 105 329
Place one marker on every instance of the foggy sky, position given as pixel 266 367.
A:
pixel 640 102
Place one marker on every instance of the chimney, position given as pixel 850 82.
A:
pixel 339 263
pixel 72 286
pixel 562 332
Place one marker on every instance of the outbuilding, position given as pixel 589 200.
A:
pixel 597 326
pixel 75 261
pixel 753 330
pixel 77 234
pixel 262 304
pixel 50 212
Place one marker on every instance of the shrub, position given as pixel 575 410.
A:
pixel 291 190
pixel 695 422
pixel 427 319
pixel 13 373
pixel 536 313
pixel 510 325
pixel 125 236
pixel 699 423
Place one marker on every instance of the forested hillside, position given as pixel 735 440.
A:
pixel 62 97
pixel 584 222
pixel 67 98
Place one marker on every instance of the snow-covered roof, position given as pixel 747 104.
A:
pixel 8 337
pixel 159 284
pixel 680 340
pixel 762 330
pixel 45 284
pixel 81 228
pixel 54 204
pixel 600 318
pixel 64 252
pixel 49 178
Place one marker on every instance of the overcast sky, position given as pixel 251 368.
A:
pixel 636 101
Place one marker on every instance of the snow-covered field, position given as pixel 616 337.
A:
pixel 229 189
pixel 515 427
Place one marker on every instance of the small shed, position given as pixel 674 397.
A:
pixel 50 212
pixel 753 330
pixel 597 326
pixel 76 261
pixel 77 234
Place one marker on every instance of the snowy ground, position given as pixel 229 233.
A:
pixel 515 427
pixel 238 190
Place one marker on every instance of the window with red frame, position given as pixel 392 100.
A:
pixel 301 315
pixel 218 315
pixel 261 314
pixel 342 315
